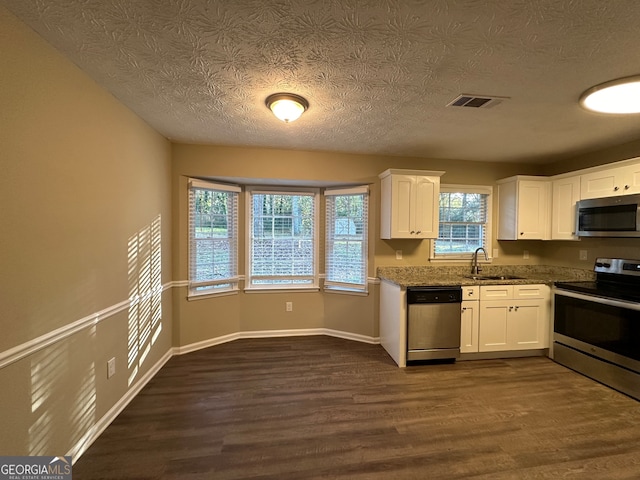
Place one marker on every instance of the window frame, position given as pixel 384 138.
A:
pixel 488 237
pixel 347 287
pixel 279 190
pixel 233 280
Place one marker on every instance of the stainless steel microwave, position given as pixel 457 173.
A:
pixel 609 217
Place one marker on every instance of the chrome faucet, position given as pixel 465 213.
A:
pixel 475 269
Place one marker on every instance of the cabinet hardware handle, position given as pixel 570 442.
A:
pixel 418 232
pixel 615 189
pixel 464 309
pixel 516 309
pixel 627 187
pixel 521 233
pixel 412 232
pixel 510 308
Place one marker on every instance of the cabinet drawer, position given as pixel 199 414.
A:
pixel 471 292
pixel 531 291
pixel 496 292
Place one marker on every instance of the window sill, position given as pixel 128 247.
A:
pixel 346 291
pixel 460 259
pixel 201 296
pixel 289 289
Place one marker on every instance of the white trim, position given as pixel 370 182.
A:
pixel 311 192
pixel 484 190
pixel 32 346
pixel 359 190
pixel 302 332
pixel 23 350
pixel 101 425
pixel 205 185
pixel 91 435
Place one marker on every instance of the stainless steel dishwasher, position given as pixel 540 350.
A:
pixel 433 322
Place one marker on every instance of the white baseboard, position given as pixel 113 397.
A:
pixel 296 332
pixel 101 425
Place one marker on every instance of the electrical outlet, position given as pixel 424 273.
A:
pixel 289 306
pixel 525 254
pixel 398 254
pixel 495 252
pixel 111 367
pixel 583 255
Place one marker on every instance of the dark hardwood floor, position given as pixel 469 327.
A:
pixel 322 407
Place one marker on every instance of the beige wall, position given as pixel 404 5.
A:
pixel 593 159
pixel 85 195
pixel 92 196
pixel 201 319
pixel 568 253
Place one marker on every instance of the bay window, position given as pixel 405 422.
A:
pixel 347 212
pixel 213 237
pixel 282 244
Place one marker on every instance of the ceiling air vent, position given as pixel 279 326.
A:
pixel 476 101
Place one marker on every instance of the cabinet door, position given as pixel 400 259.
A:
pixel 600 184
pixel 527 325
pixel 630 179
pixel 402 206
pixel 566 192
pixel 425 219
pixel 532 210
pixel 469 326
pixel 493 333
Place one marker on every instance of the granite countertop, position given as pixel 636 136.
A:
pixel 460 275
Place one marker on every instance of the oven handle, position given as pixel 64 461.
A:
pixel 592 298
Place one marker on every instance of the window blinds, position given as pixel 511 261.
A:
pixel 213 237
pixel 464 220
pixel 347 213
pixel 283 239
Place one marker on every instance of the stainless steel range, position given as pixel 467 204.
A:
pixel 597 325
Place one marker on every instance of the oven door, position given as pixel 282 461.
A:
pixel 605 328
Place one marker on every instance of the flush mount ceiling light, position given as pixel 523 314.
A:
pixel 287 106
pixel 617 96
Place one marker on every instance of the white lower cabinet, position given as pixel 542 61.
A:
pixel 513 317
pixel 470 319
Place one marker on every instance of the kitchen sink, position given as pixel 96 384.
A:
pixel 494 277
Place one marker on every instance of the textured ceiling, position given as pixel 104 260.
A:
pixel 378 74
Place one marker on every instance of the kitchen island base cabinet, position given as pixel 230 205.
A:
pixel 517 321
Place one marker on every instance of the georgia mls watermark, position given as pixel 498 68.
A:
pixel 35 468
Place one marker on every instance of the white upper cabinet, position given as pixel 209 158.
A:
pixel 565 194
pixel 409 204
pixel 610 182
pixel 523 208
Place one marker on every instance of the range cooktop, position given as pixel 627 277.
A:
pixel 616 278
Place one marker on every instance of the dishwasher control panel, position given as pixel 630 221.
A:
pixel 434 295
